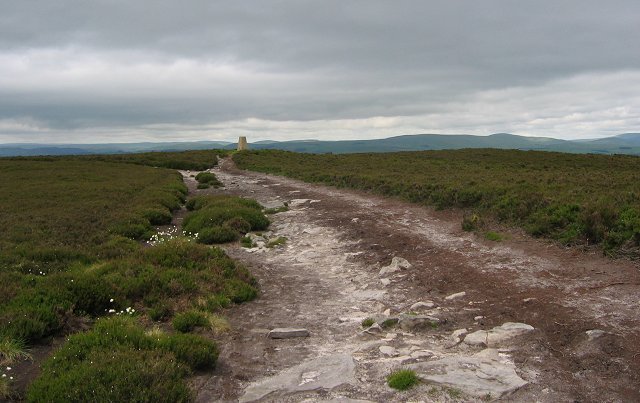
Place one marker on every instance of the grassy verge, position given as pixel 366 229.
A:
pixel 70 256
pixel 574 199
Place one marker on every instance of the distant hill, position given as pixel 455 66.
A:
pixel 623 144
pixel 628 143
pixel 9 150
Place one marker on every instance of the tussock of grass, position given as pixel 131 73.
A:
pixel 493 236
pixel 367 322
pixel 209 179
pixel 402 379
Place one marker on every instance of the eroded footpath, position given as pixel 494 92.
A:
pixel 477 320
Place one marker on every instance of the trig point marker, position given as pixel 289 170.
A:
pixel 242 143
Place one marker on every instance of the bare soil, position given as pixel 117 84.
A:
pixel 325 279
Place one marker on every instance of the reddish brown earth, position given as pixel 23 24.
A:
pixel 325 278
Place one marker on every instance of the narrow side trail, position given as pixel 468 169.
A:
pixel 518 320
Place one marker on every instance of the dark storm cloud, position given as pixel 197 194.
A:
pixel 324 69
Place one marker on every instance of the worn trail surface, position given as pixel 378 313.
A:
pixel 326 278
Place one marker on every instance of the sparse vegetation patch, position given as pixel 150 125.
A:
pixel 402 379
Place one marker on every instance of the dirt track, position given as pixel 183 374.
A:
pixel 326 279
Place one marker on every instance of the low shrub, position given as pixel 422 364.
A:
pixel 158 217
pixel 402 379
pixel 246 242
pixel 368 322
pixel 187 321
pixel 208 178
pixel 217 234
pixel 238 291
pixel 493 236
pixel 159 312
pixel 279 241
pixel 238 224
pixel 198 352
pixel 203 186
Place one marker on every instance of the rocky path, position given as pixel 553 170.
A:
pixel 477 320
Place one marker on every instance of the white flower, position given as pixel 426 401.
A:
pixel 4 375
pixel 112 310
pixel 11 378
pixel 8 368
pixel 111 300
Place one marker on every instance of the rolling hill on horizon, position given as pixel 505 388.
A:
pixel 627 143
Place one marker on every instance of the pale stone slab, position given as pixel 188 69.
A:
pixel 324 373
pixel 482 374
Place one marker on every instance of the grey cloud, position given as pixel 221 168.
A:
pixel 79 64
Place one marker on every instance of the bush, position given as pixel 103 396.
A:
pixel 159 312
pixel 402 379
pixel 471 222
pixel 218 234
pixel 198 352
pixel 208 178
pixel 203 186
pixel 238 291
pixel 368 322
pixel 187 321
pixel 238 224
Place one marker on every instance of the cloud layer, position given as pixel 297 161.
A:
pixel 99 71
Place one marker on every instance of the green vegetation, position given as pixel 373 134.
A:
pixel 187 321
pixel 118 361
pixel 493 236
pixel 368 322
pixel 197 160
pixel 574 199
pixel 279 241
pixel 70 255
pixel 246 242
pixel 220 219
pixel 402 379
pixel 208 179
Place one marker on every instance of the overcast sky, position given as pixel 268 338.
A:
pixel 142 70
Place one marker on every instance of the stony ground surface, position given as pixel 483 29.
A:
pixel 518 320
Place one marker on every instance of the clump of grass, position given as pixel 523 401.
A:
pixel 186 322
pixel 238 224
pixel 387 323
pixel 208 178
pixel 12 350
pixel 471 222
pixel 402 379
pixel 217 323
pixel 247 242
pixel 367 322
pixel 203 186
pixel 213 211
pixel 216 235
pixel 493 236
pixel 277 242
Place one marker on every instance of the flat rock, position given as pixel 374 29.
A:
pixel 324 373
pixel 397 263
pixel 482 374
pixel 388 351
pixel 455 296
pixel 497 335
pixel 288 333
pixel 420 305
pixel 385 281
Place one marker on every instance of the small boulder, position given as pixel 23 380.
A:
pixel 458 335
pixel 422 305
pixel 455 296
pixel 497 335
pixel 287 333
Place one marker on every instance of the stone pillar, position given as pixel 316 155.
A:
pixel 242 143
